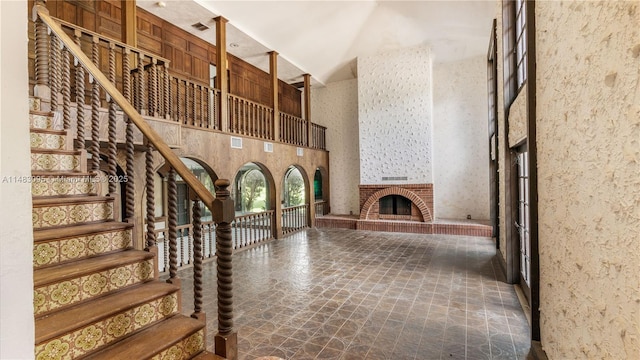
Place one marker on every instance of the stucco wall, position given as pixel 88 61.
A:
pixel 395 116
pixel 336 107
pixel 588 137
pixel 460 139
pixel 16 279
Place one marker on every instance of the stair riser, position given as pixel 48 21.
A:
pixel 48 141
pixel 55 162
pixel 71 214
pixel 72 291
pixel 106 331
pixel 185 349
pixel 34 104
pixel 63 250
pixel 38 121
pixel 54 186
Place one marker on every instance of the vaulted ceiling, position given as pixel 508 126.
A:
pixel 324 38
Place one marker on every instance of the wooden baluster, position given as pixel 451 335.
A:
pixel 130 185
pixel 194 105
pixel 172 213
pixel 66 89
pixel 112 146
pixel 153 88
pixel 166 98
pixel 178 102
pixel 197 262
pixel 79 142
pixel 42 88
pixel 55 71
pixel 151 217
pixel 207 108
pixel 95 109
pixel 203 122
pixel 190 246
pixel 226 341
pixel 142 86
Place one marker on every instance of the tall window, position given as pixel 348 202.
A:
pixel 521 41
pixel 523 216
pixel 514 40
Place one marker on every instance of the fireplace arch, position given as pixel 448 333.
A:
pixel 366 210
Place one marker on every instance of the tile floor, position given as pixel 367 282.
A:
pixel 346 294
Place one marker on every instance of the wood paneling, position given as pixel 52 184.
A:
pixel 289 99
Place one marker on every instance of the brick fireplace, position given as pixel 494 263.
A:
pixel 419 195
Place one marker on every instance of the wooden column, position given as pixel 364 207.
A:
pixel 273 71
pixel 307 106
pixel 221 72
pixel 128 13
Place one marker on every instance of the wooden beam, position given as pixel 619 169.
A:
pixel 129 29
pixel 307 105
pixel 222 77
pixel 273 71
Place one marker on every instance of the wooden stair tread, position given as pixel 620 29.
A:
pixel 40 173
pixel 55 151
pixel 65 271
pixel 67 320
pixel 41 112
pixel 48 131
pixel 206 355
pixel 150 341
pixel 78 230
pixel 65 200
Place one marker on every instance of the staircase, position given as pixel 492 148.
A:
pixel 95 296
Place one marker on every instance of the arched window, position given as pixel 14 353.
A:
pixel 317 185
pixel 293 189
pixel 250 189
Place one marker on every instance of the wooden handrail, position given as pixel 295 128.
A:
pixel 151 135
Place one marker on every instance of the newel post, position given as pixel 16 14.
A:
pixel 226 341
pixel 41 89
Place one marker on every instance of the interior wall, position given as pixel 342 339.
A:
pixel 16 231
pixel 460 139
pixel 395 106
pixel 336 107
pixel 588 138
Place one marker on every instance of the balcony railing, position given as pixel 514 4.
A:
pixel 250 118
pixel 293 130
pixel 193 104
pixel 294 218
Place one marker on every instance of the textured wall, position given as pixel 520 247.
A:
pixel 336 107
pixel 502 150
pixel 16 281
pixel 518 118
pixel 395 116
pixel 460 139
pixel 588 136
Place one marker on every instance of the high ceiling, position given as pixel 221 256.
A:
pixel 324 38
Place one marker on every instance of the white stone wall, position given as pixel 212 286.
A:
pixel 336 107
pixel 16 231
pixel 395 116
pixel 588 137
pixel 461 140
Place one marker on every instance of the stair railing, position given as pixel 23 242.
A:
pixel 53 82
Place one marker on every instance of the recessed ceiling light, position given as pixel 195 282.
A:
pixel 161 4
pixel 234 45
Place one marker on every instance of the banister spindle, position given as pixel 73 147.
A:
pixel 126 74
pixel 80 89
pixel 153 91
pixel 95 109
pixel 55 71
pixel 151 217
pixel 66 89
pixel 142 86
pixel 166 101
pixel 197 261
pixel 130 184
pixel 111 145
pixel 172 213
pixel 226 340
